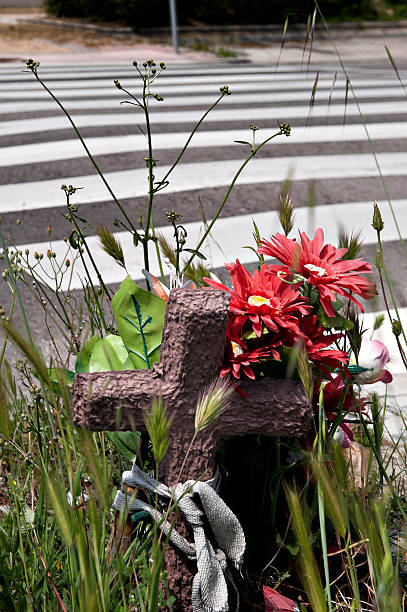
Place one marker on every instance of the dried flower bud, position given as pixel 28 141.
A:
pixel 285 212
pixel 377 222
pixel 396 327
pixel 285 128
pixel 31 65
pixel 135 64
pixel 158 423
pixel 117 83
pixel 163 66
pixel 212 402
pixel 225 90
pixel 254 127
pixel 172 216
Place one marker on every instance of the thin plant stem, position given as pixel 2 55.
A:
pixel 388 282
pixel 382 470
pixel 321 505
pixel 81 235
pixel 353 577
pixel 89 154
pixel 15 288
pixel 152 189
pixel 227 194
pixel 206 113
pixel 372 149
pixel 6 334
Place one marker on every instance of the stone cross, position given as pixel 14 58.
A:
pixel 192 351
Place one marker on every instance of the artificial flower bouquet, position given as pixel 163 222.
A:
pixel 301 308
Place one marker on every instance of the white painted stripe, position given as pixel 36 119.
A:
pixel 164 89
pixel 189 79
pixel 17 73
pixel 198 176
pixel 26 126
pixel 234 232
pixel 70 149
pixel 338 95
pixel 33 84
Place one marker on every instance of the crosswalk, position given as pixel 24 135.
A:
pixel 329 158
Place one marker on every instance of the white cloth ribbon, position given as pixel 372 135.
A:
pixel 201 507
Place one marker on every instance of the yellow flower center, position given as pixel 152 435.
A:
pixel 237 349
pixel 258 300
pixel 319 271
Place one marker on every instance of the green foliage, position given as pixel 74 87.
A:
pixel 139 318
pixel 152 13
pixel 109 354
pixel 158 424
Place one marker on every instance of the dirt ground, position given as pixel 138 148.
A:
pixel 28 38
pixel 20 38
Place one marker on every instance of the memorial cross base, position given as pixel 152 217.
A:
pixel 192 350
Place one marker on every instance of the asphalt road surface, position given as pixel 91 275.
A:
pixel 329 157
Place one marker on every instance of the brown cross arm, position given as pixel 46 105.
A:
pixel 273 407
pixel 114 400
pixel 191 355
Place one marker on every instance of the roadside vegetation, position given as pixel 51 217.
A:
pixel 155 13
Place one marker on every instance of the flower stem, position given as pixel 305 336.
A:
pixel 89 154
pixel 227 194
pixel 386 275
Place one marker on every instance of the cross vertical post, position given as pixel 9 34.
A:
pixel 192 351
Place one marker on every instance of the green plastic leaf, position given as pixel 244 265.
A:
pixel 139 318
pixel 127 442
pixel 108 354
pixel 337 322
pixel 83 358
pixel 55 380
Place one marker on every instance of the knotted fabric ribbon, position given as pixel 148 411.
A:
pixel 199 503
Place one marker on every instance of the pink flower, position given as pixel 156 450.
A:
pixel 341 436
pixel 373 356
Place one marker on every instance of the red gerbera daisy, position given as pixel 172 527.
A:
pixel 318 343
pixel 262 299
pixel 322 266
pixel 333 397
pixel 238 358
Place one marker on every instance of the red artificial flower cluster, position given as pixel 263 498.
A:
pixel 336 393
pixel 322 266
pixel 271 309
